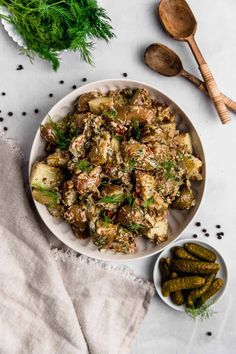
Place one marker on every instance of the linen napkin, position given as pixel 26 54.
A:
pixel 56 302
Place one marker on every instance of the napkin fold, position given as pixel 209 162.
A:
pixel 55 301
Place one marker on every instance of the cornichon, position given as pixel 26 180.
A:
pixel 190 282
pixel 216 286
pixel 186 266
pixel 200 252
pixel 177 296
pixel 181 252
pixel 196 293
pixel 164 270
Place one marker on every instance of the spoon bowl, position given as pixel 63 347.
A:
pixel 178 19
pixel 162 60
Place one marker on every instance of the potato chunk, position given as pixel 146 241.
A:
pixel 104 234
pixel 185 200
pixel 88 183
pixel 45 176
pixel 158 231
pixel 184 141
pixel 82 102
pixel 99 104
pixel 145 185
pixel 58 159
pixel 100 147
pixel 77 146
pixel 124 242
pixel 76 215
pixel 46 197
pixel 192 166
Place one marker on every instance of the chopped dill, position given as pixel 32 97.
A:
pixel 135 227
pixel 110 113
pixel 113 199
pixel 204 311
pixel 148 202
pixel 129 199
pixel 84 165
pixel 55 196
pixel 63 141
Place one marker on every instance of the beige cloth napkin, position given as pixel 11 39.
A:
pixel 54 302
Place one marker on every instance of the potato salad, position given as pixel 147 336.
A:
pixel 114 167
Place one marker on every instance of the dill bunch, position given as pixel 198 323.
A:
pixel 51 26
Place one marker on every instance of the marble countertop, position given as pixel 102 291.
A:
pixel 164 330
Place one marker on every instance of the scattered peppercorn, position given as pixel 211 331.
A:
pixel 5 128
pixel 61 82
pixel 36 111
pixel 204 230
pixel 23 113
pixel 84 79
pixel 207 234
pixel 198 224
pixel 222 233
pixel 10 114
pixel 3 93
pixel 20 67
pixel 194 236
pixel 1 119
pixel 50 95
pixel 125 74
pixel 219 237
pixel 218 234
pixel 0 111
pixel 74 87
pixel 208 333
pixel 218 226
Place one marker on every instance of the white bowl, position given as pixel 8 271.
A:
pixel 222 273
pixel 178 220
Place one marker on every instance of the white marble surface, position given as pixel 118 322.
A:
pixel 163 331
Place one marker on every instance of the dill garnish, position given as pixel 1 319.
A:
pixel 63 141
pixel 204 311
pixel 84 165
pixel 48 27
pixel 135 227
pixel 113 199
pixel 129 199
pixel 55 196
pixel 148 202
pixel 110 113
pixel 136 131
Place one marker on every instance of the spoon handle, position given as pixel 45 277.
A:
pixel 210 82
pixel 201 85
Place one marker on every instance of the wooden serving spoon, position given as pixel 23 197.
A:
pixel 179 21
pixel 166 62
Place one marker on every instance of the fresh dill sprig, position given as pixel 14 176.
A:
pixel 113 199
pixel 168 168
pixel 48 27
pixel 204 311
pixel 110 113
pixel 55 196
pixel 63 141
pixel 148 202
pixel 129 199
pixel 135 227
pixel 106 218
pixel 84 165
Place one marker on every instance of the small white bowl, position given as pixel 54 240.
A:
pixel 222 273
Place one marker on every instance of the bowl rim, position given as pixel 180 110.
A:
pixel 126 82
pixel 180 242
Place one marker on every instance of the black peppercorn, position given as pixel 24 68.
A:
pixel 5 128
pixel 36 111
pixel 84 79
pixel 61 82
pixel 204 230
pixel 20 67
pixel 219 237
pixel 23 113
pixel 50 95
pixel 74 87
pixel 218 226
pixel 194 236
pixel 1 119
pixel 198 224
pixel 207 234
pixel 208 333
pixel 10 114
pixel 3 93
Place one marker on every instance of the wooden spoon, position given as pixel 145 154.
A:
pixel 179 21
pixel 166 62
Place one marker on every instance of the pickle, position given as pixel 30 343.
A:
pixel 195 267
pixel 196 293
pixel 214 288
pixel 168 261
pixel 164 270
pixel 181 252
pixel 200 252
pixel 177 296
pixel 181 283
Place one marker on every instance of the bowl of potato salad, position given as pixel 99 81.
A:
pixel 117 170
